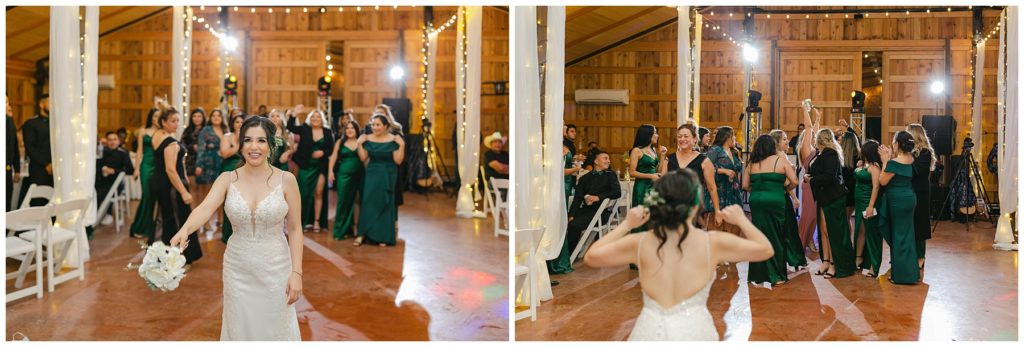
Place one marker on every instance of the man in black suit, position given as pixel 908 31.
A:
pixel 36 134
pixel 113 161
pixel 13 154
pixel 591 189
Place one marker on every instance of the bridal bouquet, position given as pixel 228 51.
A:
pixel 163 267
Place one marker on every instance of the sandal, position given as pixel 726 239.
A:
pixel 871 274
pixel 822 272
pixel 358 242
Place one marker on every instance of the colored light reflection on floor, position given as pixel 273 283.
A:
pixel 472 288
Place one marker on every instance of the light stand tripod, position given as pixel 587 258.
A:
pixel 434 159
pixel 961 186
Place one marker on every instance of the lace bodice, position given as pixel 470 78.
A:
pixel 265 222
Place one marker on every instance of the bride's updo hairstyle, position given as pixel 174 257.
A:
pixel 671 203
pixel 267 126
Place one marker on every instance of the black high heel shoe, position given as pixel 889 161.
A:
pixel 822 271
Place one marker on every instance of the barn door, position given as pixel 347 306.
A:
pixel 905 92
pixel 827 78
pixel 366 74
pixel 285 73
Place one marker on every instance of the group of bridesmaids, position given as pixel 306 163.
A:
pixel 879 192
pixel 361 164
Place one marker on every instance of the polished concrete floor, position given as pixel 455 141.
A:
pixel 969 293
pixel 447 279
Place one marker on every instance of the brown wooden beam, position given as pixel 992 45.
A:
pixel 579 13
pixel 621 22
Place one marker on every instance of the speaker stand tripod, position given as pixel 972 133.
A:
pixel 965 176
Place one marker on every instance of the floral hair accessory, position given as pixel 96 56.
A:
pixel 653 199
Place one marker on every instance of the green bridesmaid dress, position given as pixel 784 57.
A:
pixel 872 252
pixel 307 178
pixel 648 165
pixel 279 148
pixel 837 222
pixel 768 213
pixel 145 214
pixel 791 236
pixel 230 164
pixel 348 181
pixel 568 178
pixel 377 209
pixel 562 265
pixel 896 223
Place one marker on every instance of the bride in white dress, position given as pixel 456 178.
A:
pixel 676 260
pixel 262 269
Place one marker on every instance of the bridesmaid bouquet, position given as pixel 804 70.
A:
pixel 163 267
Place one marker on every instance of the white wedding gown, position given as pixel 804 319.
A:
pixel 689 320
pixel 257 264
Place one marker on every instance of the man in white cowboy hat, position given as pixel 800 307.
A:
pixel 496 158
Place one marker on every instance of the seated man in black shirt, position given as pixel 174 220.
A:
pixel 114 160
pixel 496 158
pixel 592 188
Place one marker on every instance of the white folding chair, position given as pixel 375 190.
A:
pixel 118 199
pixel 500 207
pixel 63 237
pixel 527 241
pixel 36 191
pixel 595 229
pixel 620 208
pixel 29 253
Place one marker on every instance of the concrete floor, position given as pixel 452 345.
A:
pixel 969 293
pixel 447 279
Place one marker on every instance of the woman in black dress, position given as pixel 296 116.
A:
pixel 924 164
pixel 825 177
pixel 190 138
pixel 168 183
pixel 851 150
pixel 688 155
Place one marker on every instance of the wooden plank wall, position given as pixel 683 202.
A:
pixel 646 67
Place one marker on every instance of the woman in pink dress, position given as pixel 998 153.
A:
pixel 808 217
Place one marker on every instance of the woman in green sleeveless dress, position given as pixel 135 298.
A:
pixel 896 217
pixel 382 153
pixel 825 177
pixel 561 264
pixel 790 230
pixel 867 194
pixel 282 142
pixel 646 164
pixel 767 186
pixel 229 151
pixel 145 214
pixel 347 175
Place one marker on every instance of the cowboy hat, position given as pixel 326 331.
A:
pixel 496 136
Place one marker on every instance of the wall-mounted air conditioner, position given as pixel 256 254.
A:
pixel 602 96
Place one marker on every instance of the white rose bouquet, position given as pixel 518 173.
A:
pixel 163 267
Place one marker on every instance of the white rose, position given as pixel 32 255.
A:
pixel 158 246
pixel 159 277
pixel 150 258
pixel 174 262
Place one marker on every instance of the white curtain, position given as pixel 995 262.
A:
pixel 553 192
pixel 683 66
pixel 181 45
pixel 431 74
pixel 73 122
pixel 1007 96
pixel 698 26
pixel 469 107
pixel 978 83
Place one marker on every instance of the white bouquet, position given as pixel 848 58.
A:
pixel 807 102
pixel 163 267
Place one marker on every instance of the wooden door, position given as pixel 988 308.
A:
pixel 285 73
pixel 366 81
pixel 905 91
pixel 827 78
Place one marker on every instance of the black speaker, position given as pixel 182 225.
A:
pixel 873 129
pixel 400 108
pixel 940 130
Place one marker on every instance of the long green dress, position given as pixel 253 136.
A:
pixel 648 165
pixel 230 164
pixel 377 210
pixel 896 223
pixel 837 222
pixel 348 181
pixel 791 236
pixel 145 218
pixel 279 148
pixel 562 264
pixel 768 213
pixel 307 178
pixel 872 252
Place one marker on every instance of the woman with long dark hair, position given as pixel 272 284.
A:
pixel 347 173
pixel 209 162
pixel 825 177
pixel 896 217
pixel 282 141
pixel 790 231
pixel 316 142
pixel 767 182
pixel 676 260
pixel 851 156
pixel 924 164
pixel 190 138
pixel 867 194
pixel 704 139
pixel 145 212
pixel 688 156
pixel 728 169
pixel 381 152
pixel 169 183
pixel 646 161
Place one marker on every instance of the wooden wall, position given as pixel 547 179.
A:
pixel 280 57
pixel 818 58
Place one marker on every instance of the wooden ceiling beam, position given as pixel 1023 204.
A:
pixel 580 12
pixel 622 22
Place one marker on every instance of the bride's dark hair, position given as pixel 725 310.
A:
pixel 680 191
pixel 269 128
